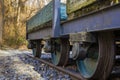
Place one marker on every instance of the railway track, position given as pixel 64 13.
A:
pixel 71 69
pixel 74 75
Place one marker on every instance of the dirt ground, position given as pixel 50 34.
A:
pixel 12 66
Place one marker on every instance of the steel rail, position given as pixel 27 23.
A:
pixel 75 75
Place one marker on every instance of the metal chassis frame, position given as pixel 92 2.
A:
pixel 104 19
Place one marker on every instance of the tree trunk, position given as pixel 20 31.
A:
pixel 1 19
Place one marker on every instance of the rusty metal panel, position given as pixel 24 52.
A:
pixel 74 5
pixel 82 37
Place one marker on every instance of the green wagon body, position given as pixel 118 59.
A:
pixel 75 8
pixel 44 17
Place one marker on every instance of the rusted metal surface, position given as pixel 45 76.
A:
pixel 99 63
pixel 107 53
pixel 82 37
pixel 37 49
pixel 75 75
pixel 60 54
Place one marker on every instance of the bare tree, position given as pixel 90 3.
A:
pixel 1 19
pixel 16 13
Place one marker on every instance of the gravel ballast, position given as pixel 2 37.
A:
pixel 16 65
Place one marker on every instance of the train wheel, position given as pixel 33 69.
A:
pixel 37 49
pixel 61 52
pixel 100 58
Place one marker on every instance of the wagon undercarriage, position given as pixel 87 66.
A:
pixel 93 39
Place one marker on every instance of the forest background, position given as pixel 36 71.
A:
pixel 13 17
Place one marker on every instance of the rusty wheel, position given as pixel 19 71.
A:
pixel 61 52
pixel 37 49
pixel 100 58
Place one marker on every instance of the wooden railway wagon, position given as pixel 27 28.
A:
pixel 90 29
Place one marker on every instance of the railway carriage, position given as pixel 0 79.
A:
pixel 90 29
